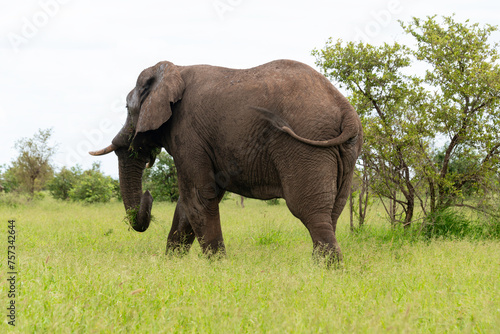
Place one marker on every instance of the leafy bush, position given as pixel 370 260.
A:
pixel 8 180
pixel 13 199
pixel 447 223
pixel 492 229
pixel 64 181
pixel 92 187
pixel 487 227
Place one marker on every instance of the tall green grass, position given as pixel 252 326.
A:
pixel 81 270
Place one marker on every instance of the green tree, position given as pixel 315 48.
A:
pixel 406 116
pixel 390 105
pixel 64 181
pixel 465 76
pixel 33 168
pixel 92 186
pixel 8 180
pixel 360 194
pixel 161 179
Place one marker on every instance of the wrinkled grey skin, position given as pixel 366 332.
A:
pixel 277 130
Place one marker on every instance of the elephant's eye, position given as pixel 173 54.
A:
pixel 148 83
pixel 145 88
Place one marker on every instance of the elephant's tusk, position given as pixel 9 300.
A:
pixel 104 151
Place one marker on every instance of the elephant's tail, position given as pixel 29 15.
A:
pixel 351 129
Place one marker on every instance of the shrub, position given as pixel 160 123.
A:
pixel 488 227
pixel 93 187
pixel 447 223
pixel 8 179
pixel 493 229
pixel 13 199
pixel 64 181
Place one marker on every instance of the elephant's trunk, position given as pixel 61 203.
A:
pixel 137 204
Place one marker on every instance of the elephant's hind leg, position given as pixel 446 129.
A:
pixel 315 212
pixel 341 199
pixel 322 233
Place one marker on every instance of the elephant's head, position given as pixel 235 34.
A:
pixel 149 107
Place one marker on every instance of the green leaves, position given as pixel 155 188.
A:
pixel 406 116
pixel 64 181
pixel 93 187
pixel 33 167
pixel 389 102
pixel 89 186
pixel 362 67
pixel 466 76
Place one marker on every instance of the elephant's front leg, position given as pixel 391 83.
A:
pixel 202 209
pixel 181 234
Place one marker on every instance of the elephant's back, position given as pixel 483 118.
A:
pixel 308 101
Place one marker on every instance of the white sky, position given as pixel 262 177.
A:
pixel 68 64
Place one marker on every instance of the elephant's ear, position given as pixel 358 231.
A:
pixel 165 86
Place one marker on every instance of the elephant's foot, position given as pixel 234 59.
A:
pixel 180 246
pixel 181 235
pixel 326 248
pixel 214 249
pixel 327 254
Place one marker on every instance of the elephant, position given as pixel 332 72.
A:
pixel 278 130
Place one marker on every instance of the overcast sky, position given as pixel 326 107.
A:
pixel 68 64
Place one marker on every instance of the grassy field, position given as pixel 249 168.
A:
pixel 82 271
